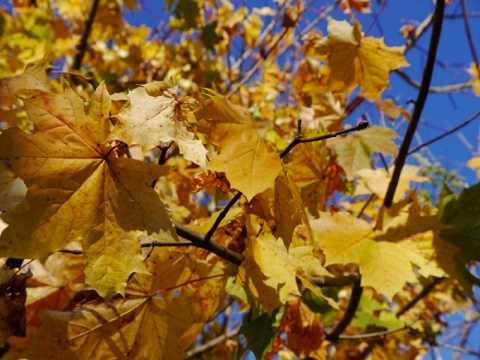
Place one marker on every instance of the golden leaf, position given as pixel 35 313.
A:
pixel 356 60
pixel 243 155
pixel 269 272
pixel 78 190
pixel 150 121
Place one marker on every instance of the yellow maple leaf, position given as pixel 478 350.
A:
pixel 288 208
pixel 158 318
pixel 243 155
pixel 158 120
pixel 383 265
pixel 356 60
pixel 32 81
pixel 268 271
pixel 475 82
pixel 376 181
pixel 78 190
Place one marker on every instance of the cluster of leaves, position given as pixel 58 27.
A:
pixel 159 214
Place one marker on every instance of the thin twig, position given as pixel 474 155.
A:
pixel 355 296
pixel 300 140
pixel 212 343
pixel 456 348
pixel 433 89
pixel 422 97
pixel 441 136
pixel 221 216
pixel 82 46
pixel 373 335
pixel 471 44
pixel 425 291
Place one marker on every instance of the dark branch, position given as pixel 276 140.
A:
pixel 198 240
pixel 355 296
pixel 221 216
pixel 87 29
pixel 425 291
pixel 449 132
pixel 300 140
pixel 422 97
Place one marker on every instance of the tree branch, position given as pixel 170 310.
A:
pixel 87 29
pixel 433 89
pixel 198 240
pixel 355 296
pixel 422 97
pixel 425 291
pixel 471 44
pixel 372 335
pixel 441 136
pixel 300 140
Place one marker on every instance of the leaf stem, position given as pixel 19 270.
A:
pixel 422 97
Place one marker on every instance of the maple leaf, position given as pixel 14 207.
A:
pixel 269 272
pixel 383 265
pixel 243 155
pixel 356 60
pixel 158 120
pixel 354 151
pixel 33 80
pixel 460 212
pixel 78 190
pixel 288 210
pixel 151 322
pixel 376 181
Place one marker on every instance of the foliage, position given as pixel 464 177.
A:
pixel 172 204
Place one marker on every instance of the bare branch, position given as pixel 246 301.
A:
pixel 87 29
pixel 425 291
pixel 441 136
pixel 198 240
pixel 471 44
pixel 372 335
pixel 433 89
pixel 355 296
pixel 212 343
pixel 422 97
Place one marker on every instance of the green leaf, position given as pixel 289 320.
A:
pixel 261 331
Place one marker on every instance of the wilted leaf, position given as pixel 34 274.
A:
pixel 151 121
pixel 356 60
pixel 243 155
pixel 362 6
pixel 80 191
pixel 303 328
